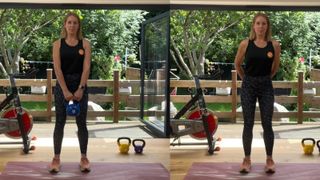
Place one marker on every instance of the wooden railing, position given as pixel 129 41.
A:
pixel 132 100
pixel 234 99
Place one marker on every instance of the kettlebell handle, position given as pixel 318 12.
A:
pixel 138 140
pixel 308 139
pixel 318 144
pixel 124 138
pixel 71 102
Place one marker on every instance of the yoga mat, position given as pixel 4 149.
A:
pixel 230 171
pixel 99 171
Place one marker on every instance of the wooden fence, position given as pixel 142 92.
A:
pixel 234 99
pixel 133 100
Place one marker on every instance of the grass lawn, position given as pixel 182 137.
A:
pixel 34 105
pixel 222 107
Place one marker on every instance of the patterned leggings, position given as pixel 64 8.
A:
pixel 72 82
pixel 260 88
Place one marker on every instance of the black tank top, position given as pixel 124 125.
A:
pixel 72 58
pixel 258 61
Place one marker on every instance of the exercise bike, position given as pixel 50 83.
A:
pixel 199 123
pixel 15 121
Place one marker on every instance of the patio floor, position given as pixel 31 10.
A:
pixel 178 159
pixel 287 147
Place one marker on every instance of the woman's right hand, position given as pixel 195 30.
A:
pixel 68 95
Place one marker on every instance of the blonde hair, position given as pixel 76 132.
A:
pixel 253 35
pixel 64 31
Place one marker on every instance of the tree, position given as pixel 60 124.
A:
pixel 17 26
pixel 110 33
pixel 292 31
pixel 298 33
pixel 193 32
pixel 313 21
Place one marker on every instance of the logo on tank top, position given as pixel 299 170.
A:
pixel 81 52
pixel 270 54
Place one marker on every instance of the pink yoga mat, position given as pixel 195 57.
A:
pixel 284 171
pixel 99 171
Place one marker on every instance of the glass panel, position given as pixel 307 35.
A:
pixel 155 59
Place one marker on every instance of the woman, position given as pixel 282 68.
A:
pixel 261 56
pixel 71 59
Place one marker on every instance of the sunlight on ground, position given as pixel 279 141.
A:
pixel 226 142
pixel 46 142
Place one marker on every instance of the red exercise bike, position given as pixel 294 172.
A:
pixel 15 121
pixel 199 123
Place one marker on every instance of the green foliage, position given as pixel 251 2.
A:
pixel 313 21
pixel 291 29
pixel 39 46
pixel 199 34
pixel 101 66
pixel 110 32
pixel 298 33
pixel 132 59
pixel 224 48
pixel 316 61
pixel 18 26
pixel 287 67
pixel 156 41
pixel 193 34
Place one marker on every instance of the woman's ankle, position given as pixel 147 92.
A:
pixel 269 158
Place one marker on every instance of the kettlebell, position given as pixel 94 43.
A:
pixel 318 144
pixel 124 147
pixel 73 108
pixel 308 148
pixel 138 148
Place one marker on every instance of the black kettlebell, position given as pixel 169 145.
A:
pixel 138 148
pixel 318 144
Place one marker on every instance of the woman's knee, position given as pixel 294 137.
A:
pixel 267 126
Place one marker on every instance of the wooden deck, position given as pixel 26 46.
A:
pixel 103 148
pixel 99 149
pixel 287 148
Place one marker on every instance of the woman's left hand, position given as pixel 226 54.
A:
pixel 78 95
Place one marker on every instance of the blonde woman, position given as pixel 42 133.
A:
pixel 261 56
pixel 71 59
